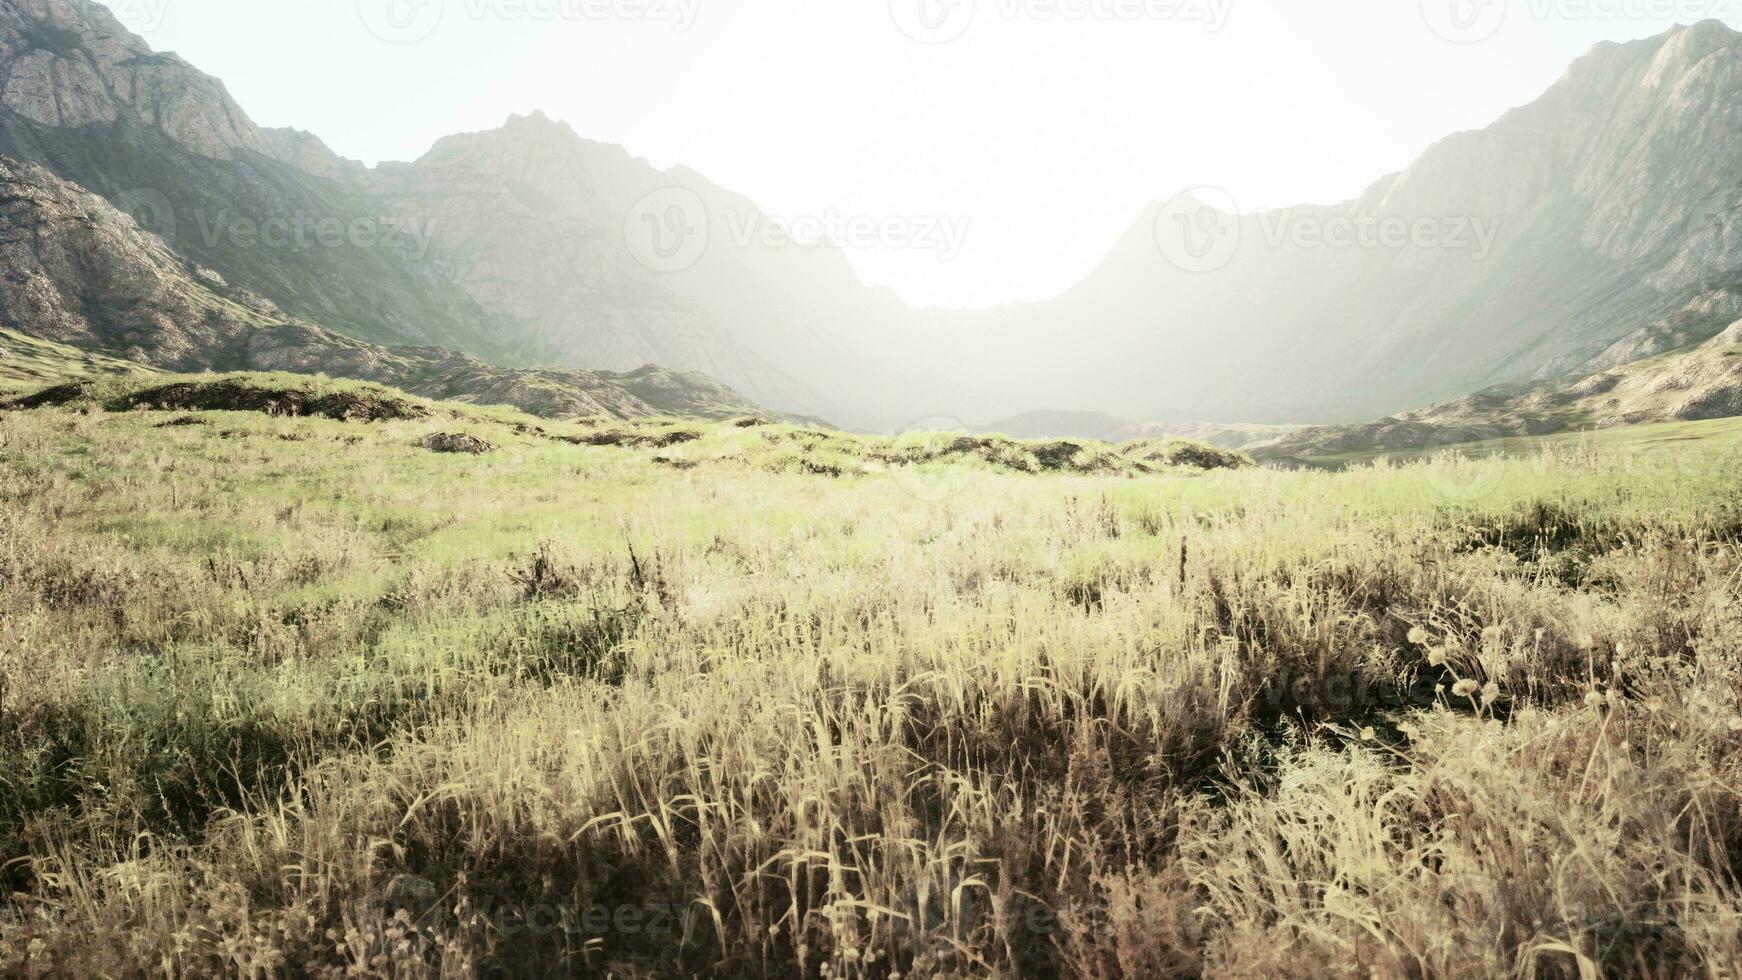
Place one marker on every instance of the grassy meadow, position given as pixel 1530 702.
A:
pixel 290 695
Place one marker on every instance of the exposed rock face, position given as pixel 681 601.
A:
pixel 82 273
pixel 269 211
pixel 456 443
pixel 71 63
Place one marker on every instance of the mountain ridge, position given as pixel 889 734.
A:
pixel 84 274
pixel 1613 194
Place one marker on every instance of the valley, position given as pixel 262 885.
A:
pixel 525 560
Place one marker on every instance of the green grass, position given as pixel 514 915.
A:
pixel 31 363
pixel 295 696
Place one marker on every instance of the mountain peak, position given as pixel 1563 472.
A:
pixel 536 120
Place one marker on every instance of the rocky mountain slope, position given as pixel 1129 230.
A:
pixel 541 228
pixel 1592 228
pixel 1597 225
pixel 1699 383
pixel 78 272
pixel 509 245
pixel 269 210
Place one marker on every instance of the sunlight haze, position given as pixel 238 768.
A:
pixel 1045 133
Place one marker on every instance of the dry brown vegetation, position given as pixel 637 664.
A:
pixel 297 697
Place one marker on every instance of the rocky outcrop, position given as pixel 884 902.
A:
pixel 79 272
pixel 1699 383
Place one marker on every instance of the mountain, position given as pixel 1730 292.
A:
pixel 275 212
pixel 529 224
pixel 1590 229
pixel 1695 384
pixel 509 245
pixel 542 229
pixel 1599 224
pixel 81 274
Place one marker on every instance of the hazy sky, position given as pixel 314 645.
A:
pixel 1046 124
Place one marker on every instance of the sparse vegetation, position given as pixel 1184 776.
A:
pixel 290 695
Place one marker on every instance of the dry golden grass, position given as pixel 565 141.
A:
pixel 297 697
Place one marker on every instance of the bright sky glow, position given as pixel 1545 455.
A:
pixel 1046 124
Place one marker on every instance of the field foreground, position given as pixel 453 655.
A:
pixel 455 693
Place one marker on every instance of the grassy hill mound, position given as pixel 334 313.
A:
pixel 681 443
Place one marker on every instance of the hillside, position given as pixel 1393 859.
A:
pixel 82 274
pixel 1700 383
pixel 27 361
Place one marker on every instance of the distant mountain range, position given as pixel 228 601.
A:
pixel 80 274
pixel 1598 226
